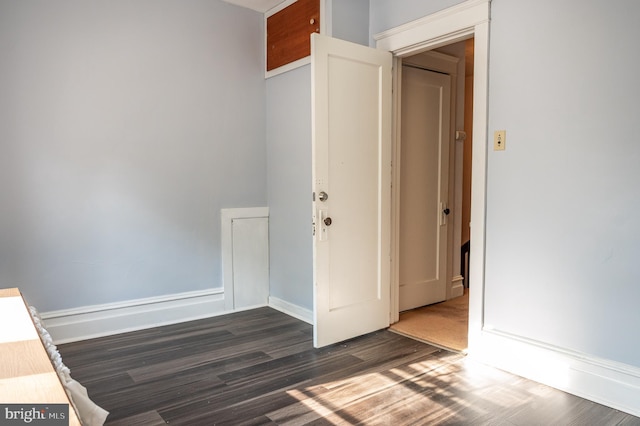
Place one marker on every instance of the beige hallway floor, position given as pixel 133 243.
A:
pixel 443 324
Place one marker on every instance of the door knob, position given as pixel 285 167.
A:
pixel 323 196
pixel 446 211
pixel 327 221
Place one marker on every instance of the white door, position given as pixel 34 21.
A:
pixel 351 104
pixel 424 147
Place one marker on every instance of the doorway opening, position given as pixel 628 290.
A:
pixel 436 312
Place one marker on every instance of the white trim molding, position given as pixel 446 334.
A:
pixel 292 310
pixel 288 67
pixel 89 322
pixel 457 286
pixel 445 27
pixel 603 381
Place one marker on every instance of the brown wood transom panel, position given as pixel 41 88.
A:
pixel 289 32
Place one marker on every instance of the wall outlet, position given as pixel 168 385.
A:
pixel 499 140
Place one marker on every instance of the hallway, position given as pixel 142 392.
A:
pixel 443 324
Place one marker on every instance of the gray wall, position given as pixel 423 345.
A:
pixel 124 127
pixel 562 200
pixel 350 20
pixel 289 186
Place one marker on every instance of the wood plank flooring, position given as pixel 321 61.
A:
pixel 259 368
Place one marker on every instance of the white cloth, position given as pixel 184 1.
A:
pixel 90 414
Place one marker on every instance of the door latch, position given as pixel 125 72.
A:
pixel 325 222
pixel 444 212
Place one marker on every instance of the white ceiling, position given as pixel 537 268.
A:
pixel 259 5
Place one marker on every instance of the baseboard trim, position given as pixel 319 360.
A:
pixel 457 286
pixel 290 309
pixel 603 381
pixel 89 322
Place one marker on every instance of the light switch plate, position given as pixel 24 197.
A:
pixel 499 140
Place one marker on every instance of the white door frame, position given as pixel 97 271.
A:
pixel 457 23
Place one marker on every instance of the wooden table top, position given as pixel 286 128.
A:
pixel 26 373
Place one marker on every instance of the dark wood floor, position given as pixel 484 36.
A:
pixel 259 367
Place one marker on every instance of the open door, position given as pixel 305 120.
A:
pixel 351 126
pixel 424 187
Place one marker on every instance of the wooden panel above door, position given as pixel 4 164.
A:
pixel 289 31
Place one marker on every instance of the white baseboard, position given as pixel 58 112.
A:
pixel 606 382
pixel 457 286
pixel 104 320
pixel 290 309
pixel 88 322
